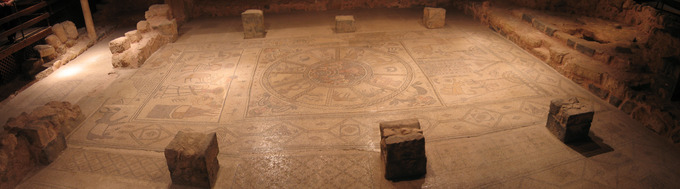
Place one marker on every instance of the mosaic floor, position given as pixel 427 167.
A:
pixel 302 111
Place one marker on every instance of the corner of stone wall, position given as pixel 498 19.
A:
pixel 136 46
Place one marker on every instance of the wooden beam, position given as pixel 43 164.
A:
pixel 88 20
pixel 25 25
pixel 25 42
pixel 23 12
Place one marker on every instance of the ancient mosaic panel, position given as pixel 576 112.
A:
pixel 194 90
pixel 332 79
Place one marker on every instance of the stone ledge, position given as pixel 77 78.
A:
pixel 604 69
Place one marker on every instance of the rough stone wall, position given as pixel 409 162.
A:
pixel 659 30
pixel 136 46
pixel 202 8
pixel 64 45
pixel 34 139
pixel 643 89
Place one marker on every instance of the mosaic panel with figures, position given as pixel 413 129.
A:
pixel 350 79
pixel 195 88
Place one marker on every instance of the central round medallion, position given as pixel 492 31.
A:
pixel 337 73
pixel 337 77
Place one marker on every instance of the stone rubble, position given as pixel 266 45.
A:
pixel 34 139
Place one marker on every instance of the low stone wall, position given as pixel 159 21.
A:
pixel 639 77
pixel 136 46
pixel 203 8
pixel 31 140
pixel 64 45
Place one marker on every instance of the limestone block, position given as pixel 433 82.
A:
pixel 434 17
pixel 118 60
pixel 126 59
pixel 70 43
pixel 52 150
pixel 253 24
pixel 59 31
pixel 345 24
pixel 53 40
pixel 158 11
pixel 569 119
pixel 71 30
pixel 133 36
pixel 45 50
pixel 402 146
pixel 39 133
pixel 59 113
pixel 192 159
pixel 119 45
pixel 143 26
pixel 164 26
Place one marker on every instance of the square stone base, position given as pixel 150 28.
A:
pixel 568 133
pixel 402 147
pixel 434 17
pixel 569 119
pixel 344 24
pixel 192 159
pixel 253 24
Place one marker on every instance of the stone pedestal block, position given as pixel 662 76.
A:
pixel 192 159
pixel 569 119
pixel 253 24
pixel 344 24
pixel 434 17
pixel 402 146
